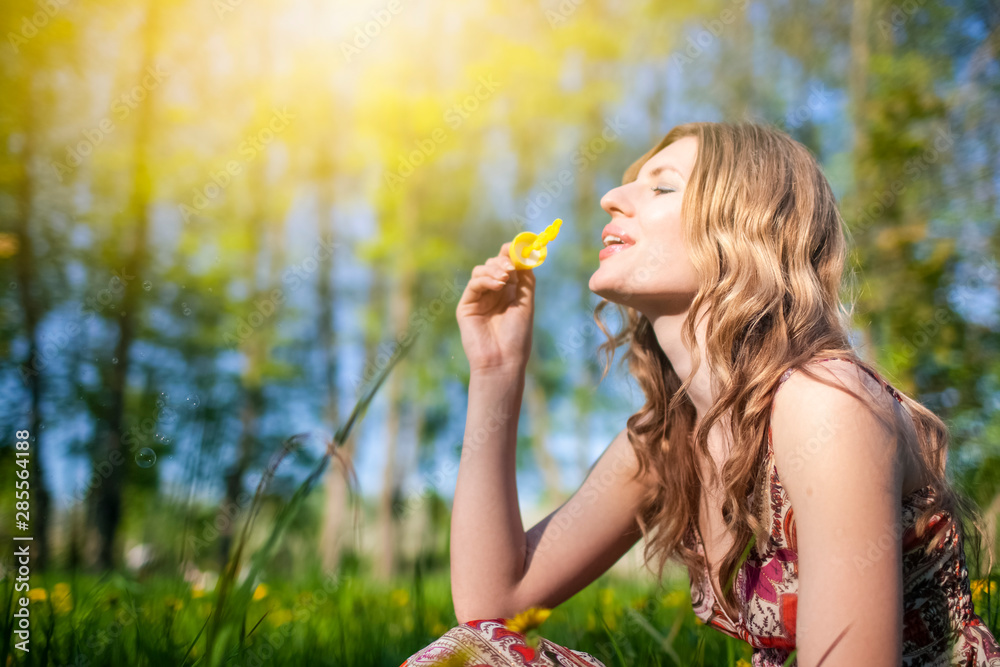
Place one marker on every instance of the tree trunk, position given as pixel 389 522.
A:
pixel 335 482
pixel 41 503
pixel 255 348
pixel 858 92
pixel 109 494
pixel 400 305
pixel 858 78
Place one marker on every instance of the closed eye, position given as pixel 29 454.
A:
pixel 662 188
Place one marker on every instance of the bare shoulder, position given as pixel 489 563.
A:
pixel 823 434
pixel 843 475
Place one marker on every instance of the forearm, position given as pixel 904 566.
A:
pixel 487 535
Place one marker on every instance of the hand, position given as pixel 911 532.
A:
pixel 495 314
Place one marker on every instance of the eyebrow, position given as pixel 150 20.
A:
pixel 666 167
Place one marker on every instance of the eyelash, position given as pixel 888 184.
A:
pixel 662 187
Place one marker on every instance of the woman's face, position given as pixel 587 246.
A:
pixel 651 271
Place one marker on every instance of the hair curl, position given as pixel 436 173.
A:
pixel 769 247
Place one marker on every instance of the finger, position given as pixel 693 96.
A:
pixel 500 263
pixel 491 270
pixel 483 284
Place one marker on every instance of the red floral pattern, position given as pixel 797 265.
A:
pixel 937 598
pixel 490 643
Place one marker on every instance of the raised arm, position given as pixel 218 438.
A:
pixel 499 570
pixel 496 569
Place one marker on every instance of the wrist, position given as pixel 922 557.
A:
pixel 510 371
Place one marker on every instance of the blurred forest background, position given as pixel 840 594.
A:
pixel 221 221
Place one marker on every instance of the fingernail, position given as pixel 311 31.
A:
pixel 508 266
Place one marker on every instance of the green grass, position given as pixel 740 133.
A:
pixel 345 619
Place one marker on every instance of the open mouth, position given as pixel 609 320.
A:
pixel 615 240
pixel 613 245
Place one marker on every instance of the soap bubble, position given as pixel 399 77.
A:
pixel 193 400
pixel 145 458
pixel 147 286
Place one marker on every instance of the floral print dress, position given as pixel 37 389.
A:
pixel 939 624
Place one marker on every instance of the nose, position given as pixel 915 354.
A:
pixel 616 199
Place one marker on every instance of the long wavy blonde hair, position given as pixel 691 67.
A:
pixel 769 247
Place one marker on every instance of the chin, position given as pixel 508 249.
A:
pixel 607 292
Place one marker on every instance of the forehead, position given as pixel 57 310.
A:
pixel 679 155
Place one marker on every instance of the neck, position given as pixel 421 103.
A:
pixel 668 333
pixel 667 328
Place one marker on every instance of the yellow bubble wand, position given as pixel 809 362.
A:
pixel 528 250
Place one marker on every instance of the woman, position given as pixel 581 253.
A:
pixel 817 519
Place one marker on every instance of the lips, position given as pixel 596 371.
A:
pixel 615 248
pixel 611 229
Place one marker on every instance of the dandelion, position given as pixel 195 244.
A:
pixel 742 663
pixel 197 592
pixel 280 617
pixel 260 592
pixel 400 597
pixel 439 628
pixel 460 658
pixel 173 603
pixel 62 600
pixel 37 595
pixel 607 596
pixel 9 244
pixel 529 619
pixel 981 588
pixel 526 623
pixel 676 598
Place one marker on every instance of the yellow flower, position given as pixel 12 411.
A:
pixel 981 588
pixel 742 663
pixel 607 596
pixel 400 597
pixel 280 617
pixel 439 629
pixel 260 592
pixel 62 600
pixel 173 603
pixel 37 594
pixel 197 592
pixel 676 598
pixel 528 619
pixel 9 244
pixel 591 621
pixel 460 658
